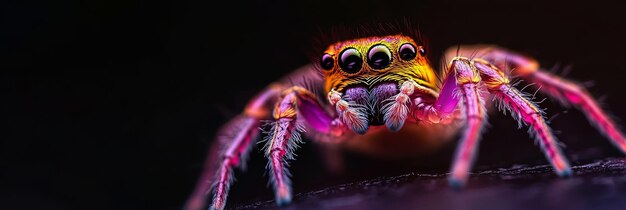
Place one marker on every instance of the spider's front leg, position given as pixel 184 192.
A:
pixel 282 140
pixel 228 151
pixel 563 90
pixel 524 110
pixel 462 84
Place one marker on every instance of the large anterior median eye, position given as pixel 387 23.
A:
pixel 379 56
pixel 350 60
pixel 407 52
pixel 327 62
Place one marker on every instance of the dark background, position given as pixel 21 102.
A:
pixel 112 104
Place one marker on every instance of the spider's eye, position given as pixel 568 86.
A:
pixel 350 60
pixel 327 62
pixel 407 52
pixel 422 51
pixel 379 56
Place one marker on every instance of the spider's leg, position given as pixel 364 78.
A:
pixel 526 111
pixel 284 136
pixel 282 139
pixel 228 151
pixel 571 93
pixel 460 85
pixel 565 91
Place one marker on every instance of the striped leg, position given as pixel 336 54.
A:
pixel 525 111
pixel 282 140
pixel 284 137
pixel 574 94
pixel 461 84
pixel 565 91
pixel 468 74
pixel 229 151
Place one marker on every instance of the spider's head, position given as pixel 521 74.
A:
pixel 367 62
pixel 369 71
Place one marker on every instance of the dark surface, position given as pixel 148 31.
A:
pixel 595 185
pixel 112 104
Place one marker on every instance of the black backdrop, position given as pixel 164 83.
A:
pixel 112 104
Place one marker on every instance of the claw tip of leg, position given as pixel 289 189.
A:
pixel 567 172
pixel 456 183
pixel 283 201
pixel 214 207
pixel 283 196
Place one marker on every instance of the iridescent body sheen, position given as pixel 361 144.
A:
pixel 380 96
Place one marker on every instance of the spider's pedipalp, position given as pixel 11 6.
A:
pixel 396 109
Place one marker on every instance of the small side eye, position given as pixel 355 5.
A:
pixel 327 62
pixel 379 56
pixel 407 51
pixel 422 51
pixel 350 60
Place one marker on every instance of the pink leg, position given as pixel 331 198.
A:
pixel 567 92
pixel 217 173
pixel 229 152
pixel 466 80
pixel 526 111
pixel 571 93
pixel 232 158
pixel 464 71
pixel 281 144
pixel 284 136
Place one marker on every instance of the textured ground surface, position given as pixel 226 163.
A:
pixel 595 185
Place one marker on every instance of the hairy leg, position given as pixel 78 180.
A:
pixel 524 110
pixel 563 90
pixel 571 93
pixel 217 173
pixel 460 85
pixel 229 151
pixel 466 75
pixel 284 136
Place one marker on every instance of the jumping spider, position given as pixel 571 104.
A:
pixel 378 85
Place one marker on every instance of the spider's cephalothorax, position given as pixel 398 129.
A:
pixel 370 61
pixel 363 75
pixel 377 87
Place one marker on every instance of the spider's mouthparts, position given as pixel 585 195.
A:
pixel 372 99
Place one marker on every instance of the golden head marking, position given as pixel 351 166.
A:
pixel 371 60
